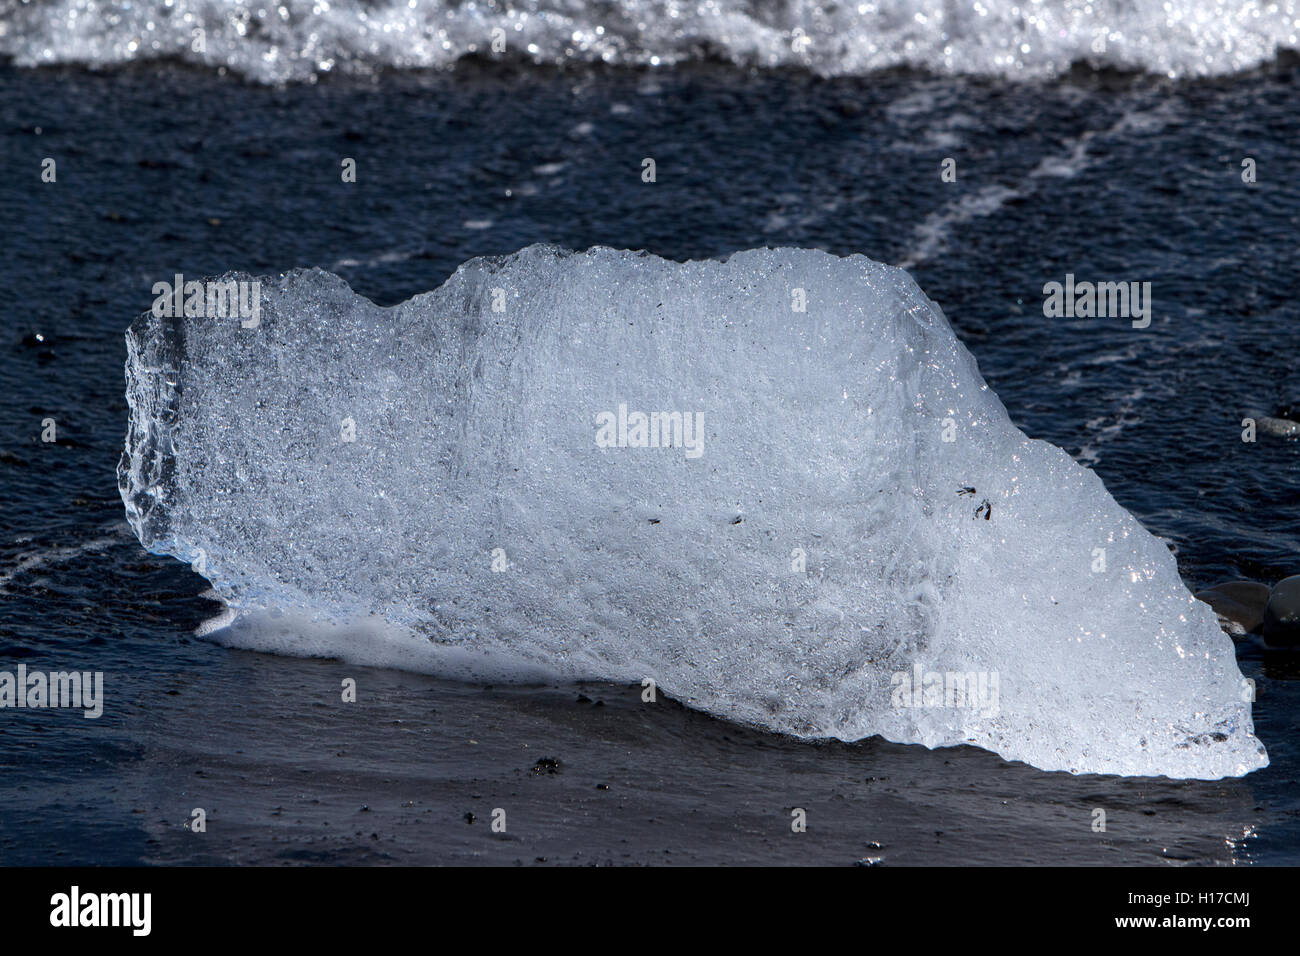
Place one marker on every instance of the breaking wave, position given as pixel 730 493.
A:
pixel 300 40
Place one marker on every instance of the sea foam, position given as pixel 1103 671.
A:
pixel 303 39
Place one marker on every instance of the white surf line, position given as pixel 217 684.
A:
pixel 39 559
pixel 385 258
pixel 1105 428
pixel 932 235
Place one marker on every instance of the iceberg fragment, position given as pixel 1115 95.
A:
pixel 776 485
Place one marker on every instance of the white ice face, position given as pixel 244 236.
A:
pixel 777 486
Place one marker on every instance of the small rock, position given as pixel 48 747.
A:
pixel 1282 614
pixel 1279 427
pixel 1239 605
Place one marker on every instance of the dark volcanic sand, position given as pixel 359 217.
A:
pixel 165 170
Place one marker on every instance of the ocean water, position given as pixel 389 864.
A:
pixel 1120 166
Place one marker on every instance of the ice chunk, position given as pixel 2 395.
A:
pixel 832 531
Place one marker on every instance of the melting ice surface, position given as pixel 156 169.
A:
pixel 862 517
pixel 301 39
